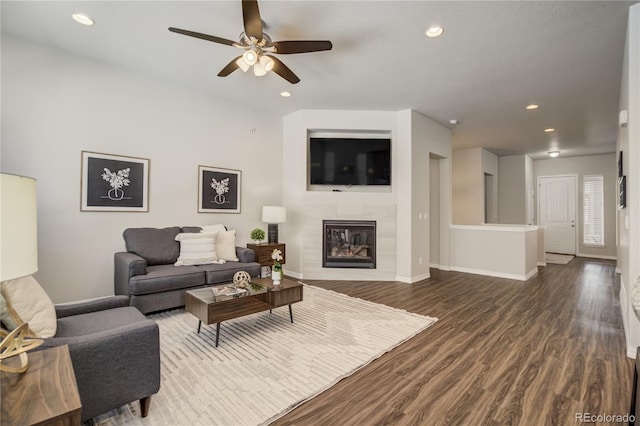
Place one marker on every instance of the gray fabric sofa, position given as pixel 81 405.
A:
pixel 147 275
pixel 115 352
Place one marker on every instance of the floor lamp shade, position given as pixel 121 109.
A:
pixel 273 215
pixel 19 227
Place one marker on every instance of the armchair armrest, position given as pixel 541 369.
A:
pixel 91 306
pixel 127 265
pixel 115 366
pixel 246 255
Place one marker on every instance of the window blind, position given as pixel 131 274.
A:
pixel 593 210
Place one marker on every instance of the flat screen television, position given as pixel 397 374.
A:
pixel 349 161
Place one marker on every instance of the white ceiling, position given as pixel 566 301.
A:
pixel 493 59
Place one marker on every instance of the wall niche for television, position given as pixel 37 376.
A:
pixel 349 161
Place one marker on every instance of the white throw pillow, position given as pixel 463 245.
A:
pixel 197 248
pixel 214 228
pixel 226 246
pixel 27 302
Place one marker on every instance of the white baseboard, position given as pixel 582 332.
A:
pixel 292 274
pixel 631 352
pixel 411 280
pixel 597 256
pixel 496 274
pixel 542 263
pixel 440 267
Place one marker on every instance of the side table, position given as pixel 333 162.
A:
pixel 263 254
pixel 46 394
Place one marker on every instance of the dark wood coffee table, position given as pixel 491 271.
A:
pixel 208 308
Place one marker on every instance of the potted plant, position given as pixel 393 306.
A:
pixel 257 235
pixel 276 272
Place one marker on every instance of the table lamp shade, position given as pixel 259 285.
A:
pixel 274 214
pixel 19 227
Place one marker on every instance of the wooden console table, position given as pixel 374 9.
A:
pixel 46 394
pixel 263 255
pixel 263 252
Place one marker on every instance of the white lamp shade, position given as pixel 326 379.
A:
pixel 242 64
pixel 274 214
pixel 19 223
pixel 259 70
pixel 250 57
pixel 267 62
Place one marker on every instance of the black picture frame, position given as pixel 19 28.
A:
pixel 219 190
pixel 620 166
pixel 114 183
pixel 622 192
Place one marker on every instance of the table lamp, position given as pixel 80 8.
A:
pixel 273 215
pixel 18 254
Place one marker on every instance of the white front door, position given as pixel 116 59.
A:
pixel 557 211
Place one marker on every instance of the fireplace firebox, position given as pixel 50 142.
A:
pixel 349 244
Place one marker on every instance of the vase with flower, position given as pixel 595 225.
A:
pixel 276 270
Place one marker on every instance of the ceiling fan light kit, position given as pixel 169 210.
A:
pixel 255 44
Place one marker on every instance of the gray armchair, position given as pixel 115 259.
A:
pixel 115 352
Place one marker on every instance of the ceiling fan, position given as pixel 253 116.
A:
pixel 258 47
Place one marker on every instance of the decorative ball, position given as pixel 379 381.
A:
pixel 241 278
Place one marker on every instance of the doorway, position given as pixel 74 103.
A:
pixel 557 211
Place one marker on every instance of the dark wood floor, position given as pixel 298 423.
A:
pixel 503 352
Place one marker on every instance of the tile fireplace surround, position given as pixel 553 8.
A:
pixel 311 232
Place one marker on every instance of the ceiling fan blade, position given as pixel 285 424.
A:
pixel 231 67
pixel 203 36
pixel 283 71
pixel 301 46
pixel 251 17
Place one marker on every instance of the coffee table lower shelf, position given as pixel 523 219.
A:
pixel 203 305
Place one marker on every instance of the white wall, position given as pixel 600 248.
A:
pixel 400 212
pixel 512 190
pixel 605 165
pixel 490 195
pixel 55 105
pixel 434 212
pixel 513 250
pixel 629 218
pixel 469 168
pixel 529 182
pixel 428 139
pixel 468 187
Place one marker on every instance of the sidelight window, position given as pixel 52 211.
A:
pixel 593 210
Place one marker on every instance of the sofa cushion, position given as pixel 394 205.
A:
pixel 161 278
pixel 214 228
pixel 95 322
pixel 26 301
pixel 226 246
pixel 197 249
pixel 224 273
pixel 157 246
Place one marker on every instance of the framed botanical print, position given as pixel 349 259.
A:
pixel 112 183
pixel 218 190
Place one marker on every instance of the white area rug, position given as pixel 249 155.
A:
pixel 560 259
pixel 265 366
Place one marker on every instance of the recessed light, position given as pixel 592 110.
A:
pixel 549 130
pixel 553 154
pixel 285 94
pixel 83 19
pixel 435 31
pixel 454 122
pixel 532 106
